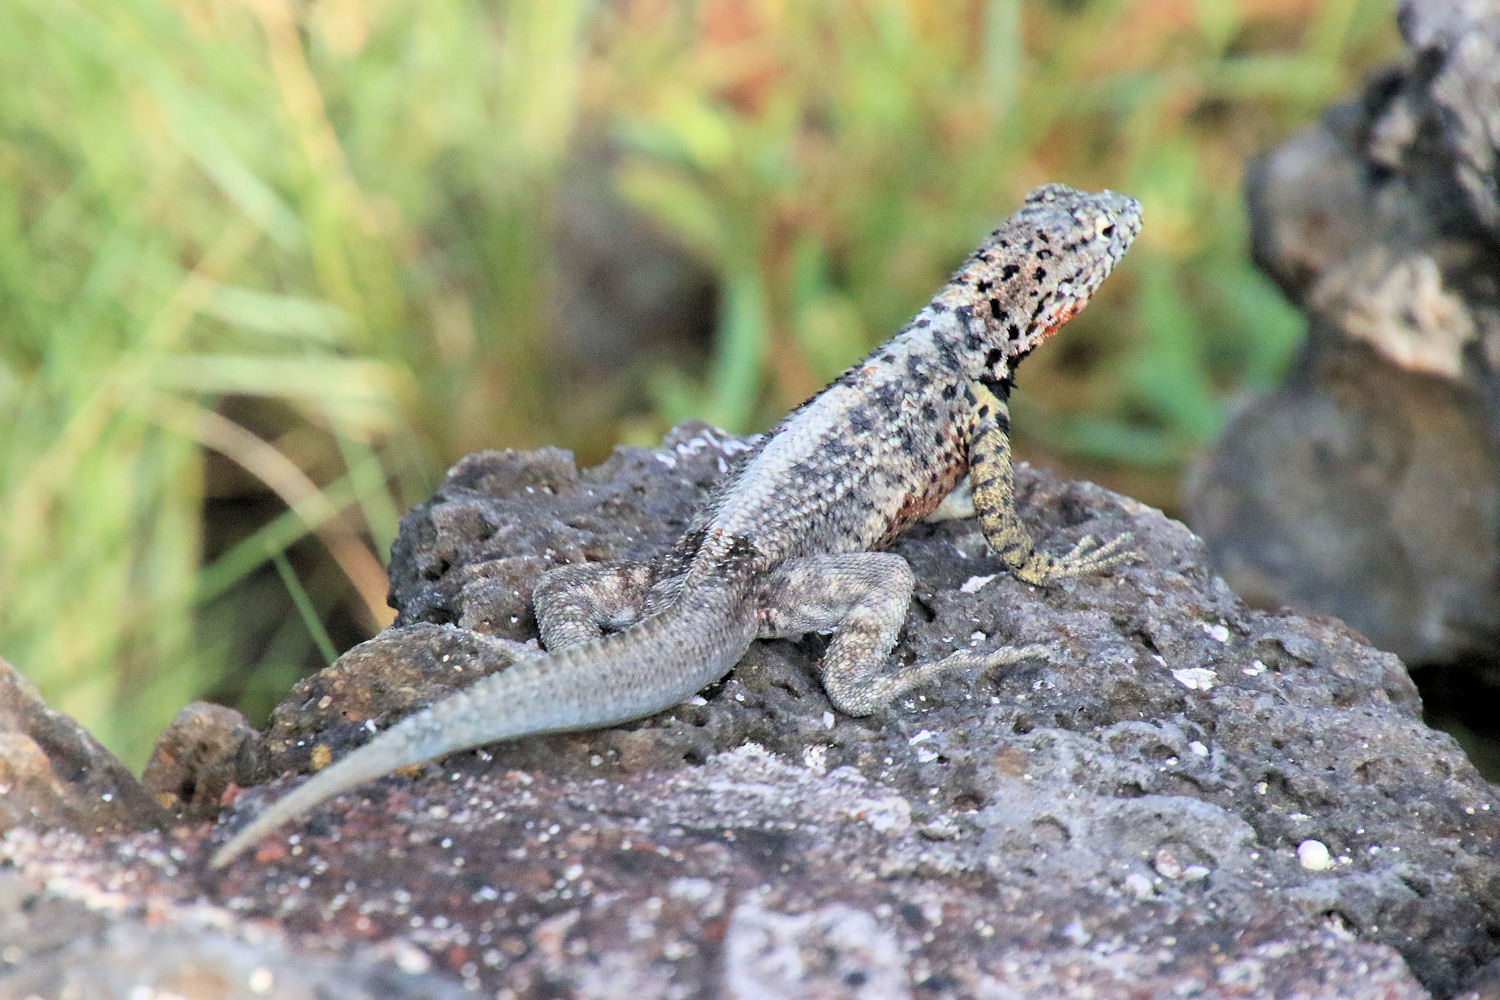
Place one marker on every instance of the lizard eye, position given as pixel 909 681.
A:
pixel 1107 230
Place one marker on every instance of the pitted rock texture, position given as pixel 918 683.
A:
pixel 201 757
pixel 1122 820
pixel 1368 485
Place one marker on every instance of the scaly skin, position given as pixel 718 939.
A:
pixel 784 545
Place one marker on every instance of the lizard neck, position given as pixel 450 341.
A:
pixel 947 343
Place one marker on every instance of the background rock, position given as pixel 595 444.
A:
pixel 1192 797
pixel 206 752
pixel 1368 485
pixel 54 775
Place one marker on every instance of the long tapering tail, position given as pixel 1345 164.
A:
pixel 643 670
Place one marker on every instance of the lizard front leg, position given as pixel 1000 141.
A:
pixel 992 481
pixel 583 601
pixel 860 597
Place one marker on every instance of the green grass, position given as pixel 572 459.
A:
pixel 292 260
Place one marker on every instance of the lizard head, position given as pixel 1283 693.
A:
pixel 1041 266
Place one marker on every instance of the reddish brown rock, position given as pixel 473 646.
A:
pixel 206 754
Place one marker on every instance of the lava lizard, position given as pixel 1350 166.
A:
pixel 784 544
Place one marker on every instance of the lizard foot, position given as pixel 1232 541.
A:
pixel 1088 556
pixel 876 693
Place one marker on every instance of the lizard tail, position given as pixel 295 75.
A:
pixel 628 675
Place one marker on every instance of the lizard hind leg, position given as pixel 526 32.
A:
pixel 584 601
pixel 862 599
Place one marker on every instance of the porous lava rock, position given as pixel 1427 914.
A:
pixel 1187 797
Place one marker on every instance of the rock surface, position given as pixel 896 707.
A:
pixel 66 939
pixel 54 775
pixel 1192 798
pixel 1368 485
pixel 203 755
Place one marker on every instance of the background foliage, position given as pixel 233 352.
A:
pixel 267 267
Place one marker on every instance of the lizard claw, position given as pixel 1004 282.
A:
pixel 1088 556
pixel 1006 655
pixel 1096 554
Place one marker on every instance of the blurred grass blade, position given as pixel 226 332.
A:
pixel 740 351
pixel 304 605
pixel 300 494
